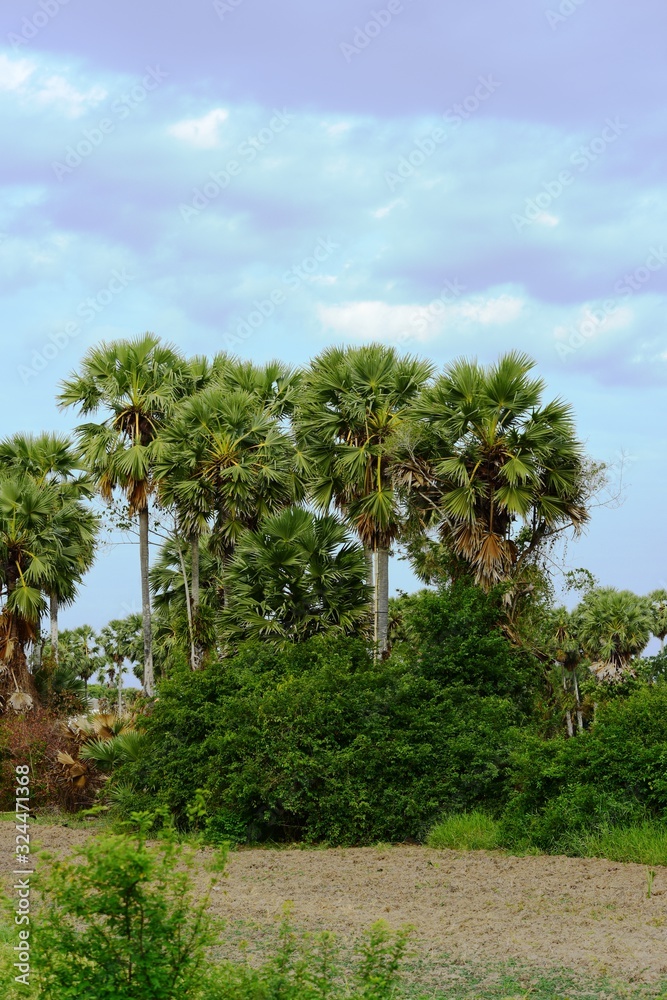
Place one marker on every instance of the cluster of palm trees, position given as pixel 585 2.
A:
pixel 288 487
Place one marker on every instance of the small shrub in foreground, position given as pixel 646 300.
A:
pixel 473 831
pixel 122 926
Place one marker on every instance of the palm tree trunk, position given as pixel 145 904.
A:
pixel 382 600
pixel 198 653
pixel 188 606
pixel 568 722
pixel 54 607
pixel 194 555
pixel 149 678
pixel 370 569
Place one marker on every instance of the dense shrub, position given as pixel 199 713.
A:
pixel 612 775
pixel 455 637
pixel 321 743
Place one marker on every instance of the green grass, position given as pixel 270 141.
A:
pixel 644 844
pixel 473 831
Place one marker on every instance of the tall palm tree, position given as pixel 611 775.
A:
pixel 497 471
pixel 612 627
pixel 52 458
pixel 33 524
pixel 136 383
pixel 296 576
pixel 224 463
pixel 658 602
pixel 272 389
pixel 349 415
pixel 175 615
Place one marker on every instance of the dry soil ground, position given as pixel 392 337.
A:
pixel 585 914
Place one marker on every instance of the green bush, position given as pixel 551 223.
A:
pixel 473 831
pixel 120 926
pixel 613 775
pixel 321 743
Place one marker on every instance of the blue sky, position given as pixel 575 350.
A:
pixel 270 178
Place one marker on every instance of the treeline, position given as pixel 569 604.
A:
pixel 283 492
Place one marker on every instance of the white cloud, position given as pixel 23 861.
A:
pixel 503 309
pixel 201 132
pixel 14 72
pixel 58 91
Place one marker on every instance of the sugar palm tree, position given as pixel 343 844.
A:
pixel 52 458
pixel 495 469
pixel 172 600
pixel 658 602
pixel 268 390
pixel 224 463
pixel 136 384
pixel 296 576
pixel 33 524
pixel 349 414
pixel 612 627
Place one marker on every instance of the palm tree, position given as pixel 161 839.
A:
pixel 612 627
pixel 349 416
pixel 658 601
pixel 137 384
pixel 33 524
pixel 296 576
pixel 52 458
pixel 172 600
pixel 224 463
pixel 497 471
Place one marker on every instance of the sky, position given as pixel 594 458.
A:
pixel 269 178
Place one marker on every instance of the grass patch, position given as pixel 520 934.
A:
pixel 473 831
pixel 644 844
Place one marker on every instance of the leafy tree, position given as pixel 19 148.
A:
pixel 498 471
pixel 613 627
pixel 296 576
pixel 137 384
pixel 349 414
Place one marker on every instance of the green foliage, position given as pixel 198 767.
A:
pixel 473 831
pixel 319 742
pixel 612 627
pixel 308 968
pixel 121 926
pixel 457 639
pixel 297 576
pixel 611 775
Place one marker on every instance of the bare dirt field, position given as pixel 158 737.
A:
pixel 584 914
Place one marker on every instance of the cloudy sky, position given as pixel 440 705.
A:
pixel 271 177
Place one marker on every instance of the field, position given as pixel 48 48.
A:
pixel 485 924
